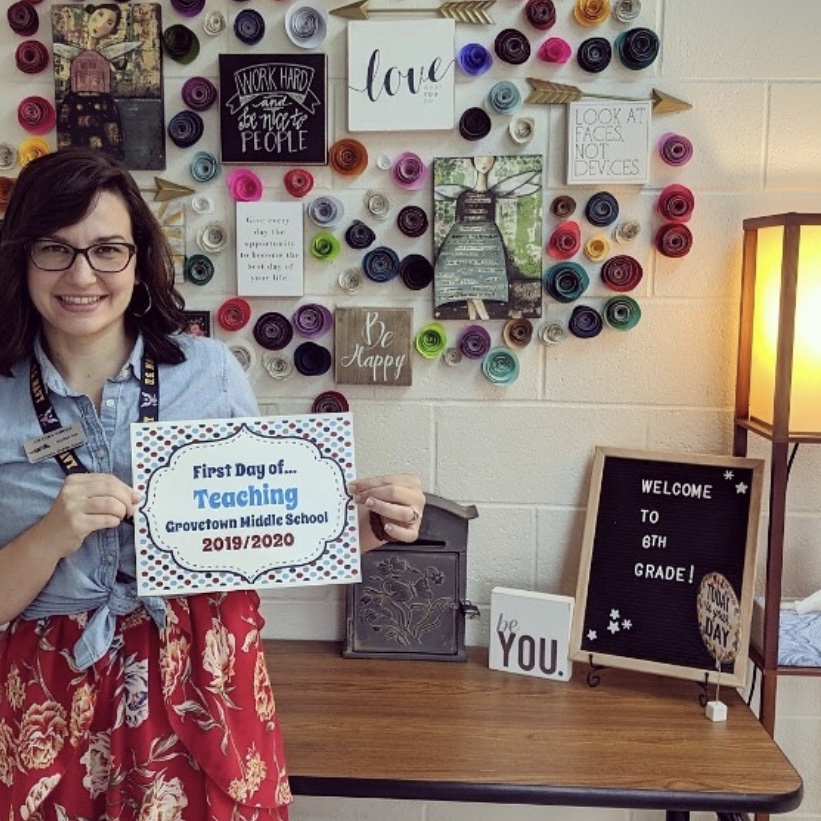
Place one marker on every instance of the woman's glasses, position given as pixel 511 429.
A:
pixel 104 257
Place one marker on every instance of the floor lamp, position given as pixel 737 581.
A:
pixel 778 382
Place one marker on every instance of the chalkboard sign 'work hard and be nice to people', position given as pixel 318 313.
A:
pixel 666 577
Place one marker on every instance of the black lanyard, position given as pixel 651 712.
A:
pixel 68 460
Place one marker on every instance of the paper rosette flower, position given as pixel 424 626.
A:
pixel 565 240
pixel 622 313
pixel 431 340
pixel 378 204
pixel 541 14
pixel 381 264
pixel 348 157
pixel 312 319
pixel 554 50
pixel 585 322
pixel 500 366
pixel 602 209
pixel 409 171
pixel 234 314
pixel 199 93
pixel 204 166
pixel 676 203
pixel 180 43
pixel 674 239
pixel 625 11
pixel 244 185
pixel 277 366
pixel 621 273
pixel 518 333
pixel 31 148
pixel 504 97
pixel 596 248
pixel 412 221
pixel 512 46
pixel 474 59
pixel 36 115
pixel 637 48
pixel 675 149
pixel 299 182
pixel 325 246
pixel 591 12
pixel 325 211
pixel 212 238
pixel 329 402
pixel 474 342
pixel 566 281
pixel 521 129
pixel 306 24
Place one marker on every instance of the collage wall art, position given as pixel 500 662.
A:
pixel 466 189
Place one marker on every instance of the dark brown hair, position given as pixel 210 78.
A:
pixel 58 190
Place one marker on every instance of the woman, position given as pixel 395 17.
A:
pixel 113 706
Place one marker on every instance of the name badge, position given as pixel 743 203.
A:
pixel 57 441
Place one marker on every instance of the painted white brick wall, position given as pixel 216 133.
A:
pixel 522 454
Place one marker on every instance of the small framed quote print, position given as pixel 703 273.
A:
pixel 401 83
pixel 608 141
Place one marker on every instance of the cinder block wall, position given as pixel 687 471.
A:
pixel 522 454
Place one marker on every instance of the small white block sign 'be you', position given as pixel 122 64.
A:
pixel 530 633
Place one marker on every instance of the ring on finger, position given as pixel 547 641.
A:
pixel 416 515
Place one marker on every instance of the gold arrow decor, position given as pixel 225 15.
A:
pixel 547 93
pixel 166 190
pixel 463 11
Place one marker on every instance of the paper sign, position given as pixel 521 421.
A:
pixel 400 83
pixel 608 141
pixel 269 249
pixel 244 503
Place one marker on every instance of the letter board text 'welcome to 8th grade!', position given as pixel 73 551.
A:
pixel 666 576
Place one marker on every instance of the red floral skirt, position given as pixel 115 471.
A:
pixel 169 725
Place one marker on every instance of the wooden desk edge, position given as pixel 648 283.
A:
pixel 536 795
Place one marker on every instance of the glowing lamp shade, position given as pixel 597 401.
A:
pixel 779 367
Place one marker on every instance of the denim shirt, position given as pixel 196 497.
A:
pixel 210 384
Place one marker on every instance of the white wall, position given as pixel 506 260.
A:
pixel 522 453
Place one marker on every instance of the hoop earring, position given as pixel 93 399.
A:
pixel 149 302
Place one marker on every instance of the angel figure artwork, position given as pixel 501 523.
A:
pixel 108 80
pixel 487 237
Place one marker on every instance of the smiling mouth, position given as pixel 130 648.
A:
pixel 80 300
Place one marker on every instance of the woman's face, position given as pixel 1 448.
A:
pixel 101 23
pixel 484 163
pixel 81 304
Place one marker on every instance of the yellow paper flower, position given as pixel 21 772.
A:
pixel 31 148
pixel 591 12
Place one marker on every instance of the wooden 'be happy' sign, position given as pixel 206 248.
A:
pixel 667 567
pixel 373 346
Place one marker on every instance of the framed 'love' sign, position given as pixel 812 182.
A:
pixel 231 504
pixel 400 84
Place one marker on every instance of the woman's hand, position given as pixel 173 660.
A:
pixel 397 499
pixel 87 502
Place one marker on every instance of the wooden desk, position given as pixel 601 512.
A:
pixel 451 731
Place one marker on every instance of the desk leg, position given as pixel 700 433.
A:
pixel 677 815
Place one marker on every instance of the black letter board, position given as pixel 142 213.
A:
pixel 657 525
pixel 273 108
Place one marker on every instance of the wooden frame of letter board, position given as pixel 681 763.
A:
pixel 736 676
